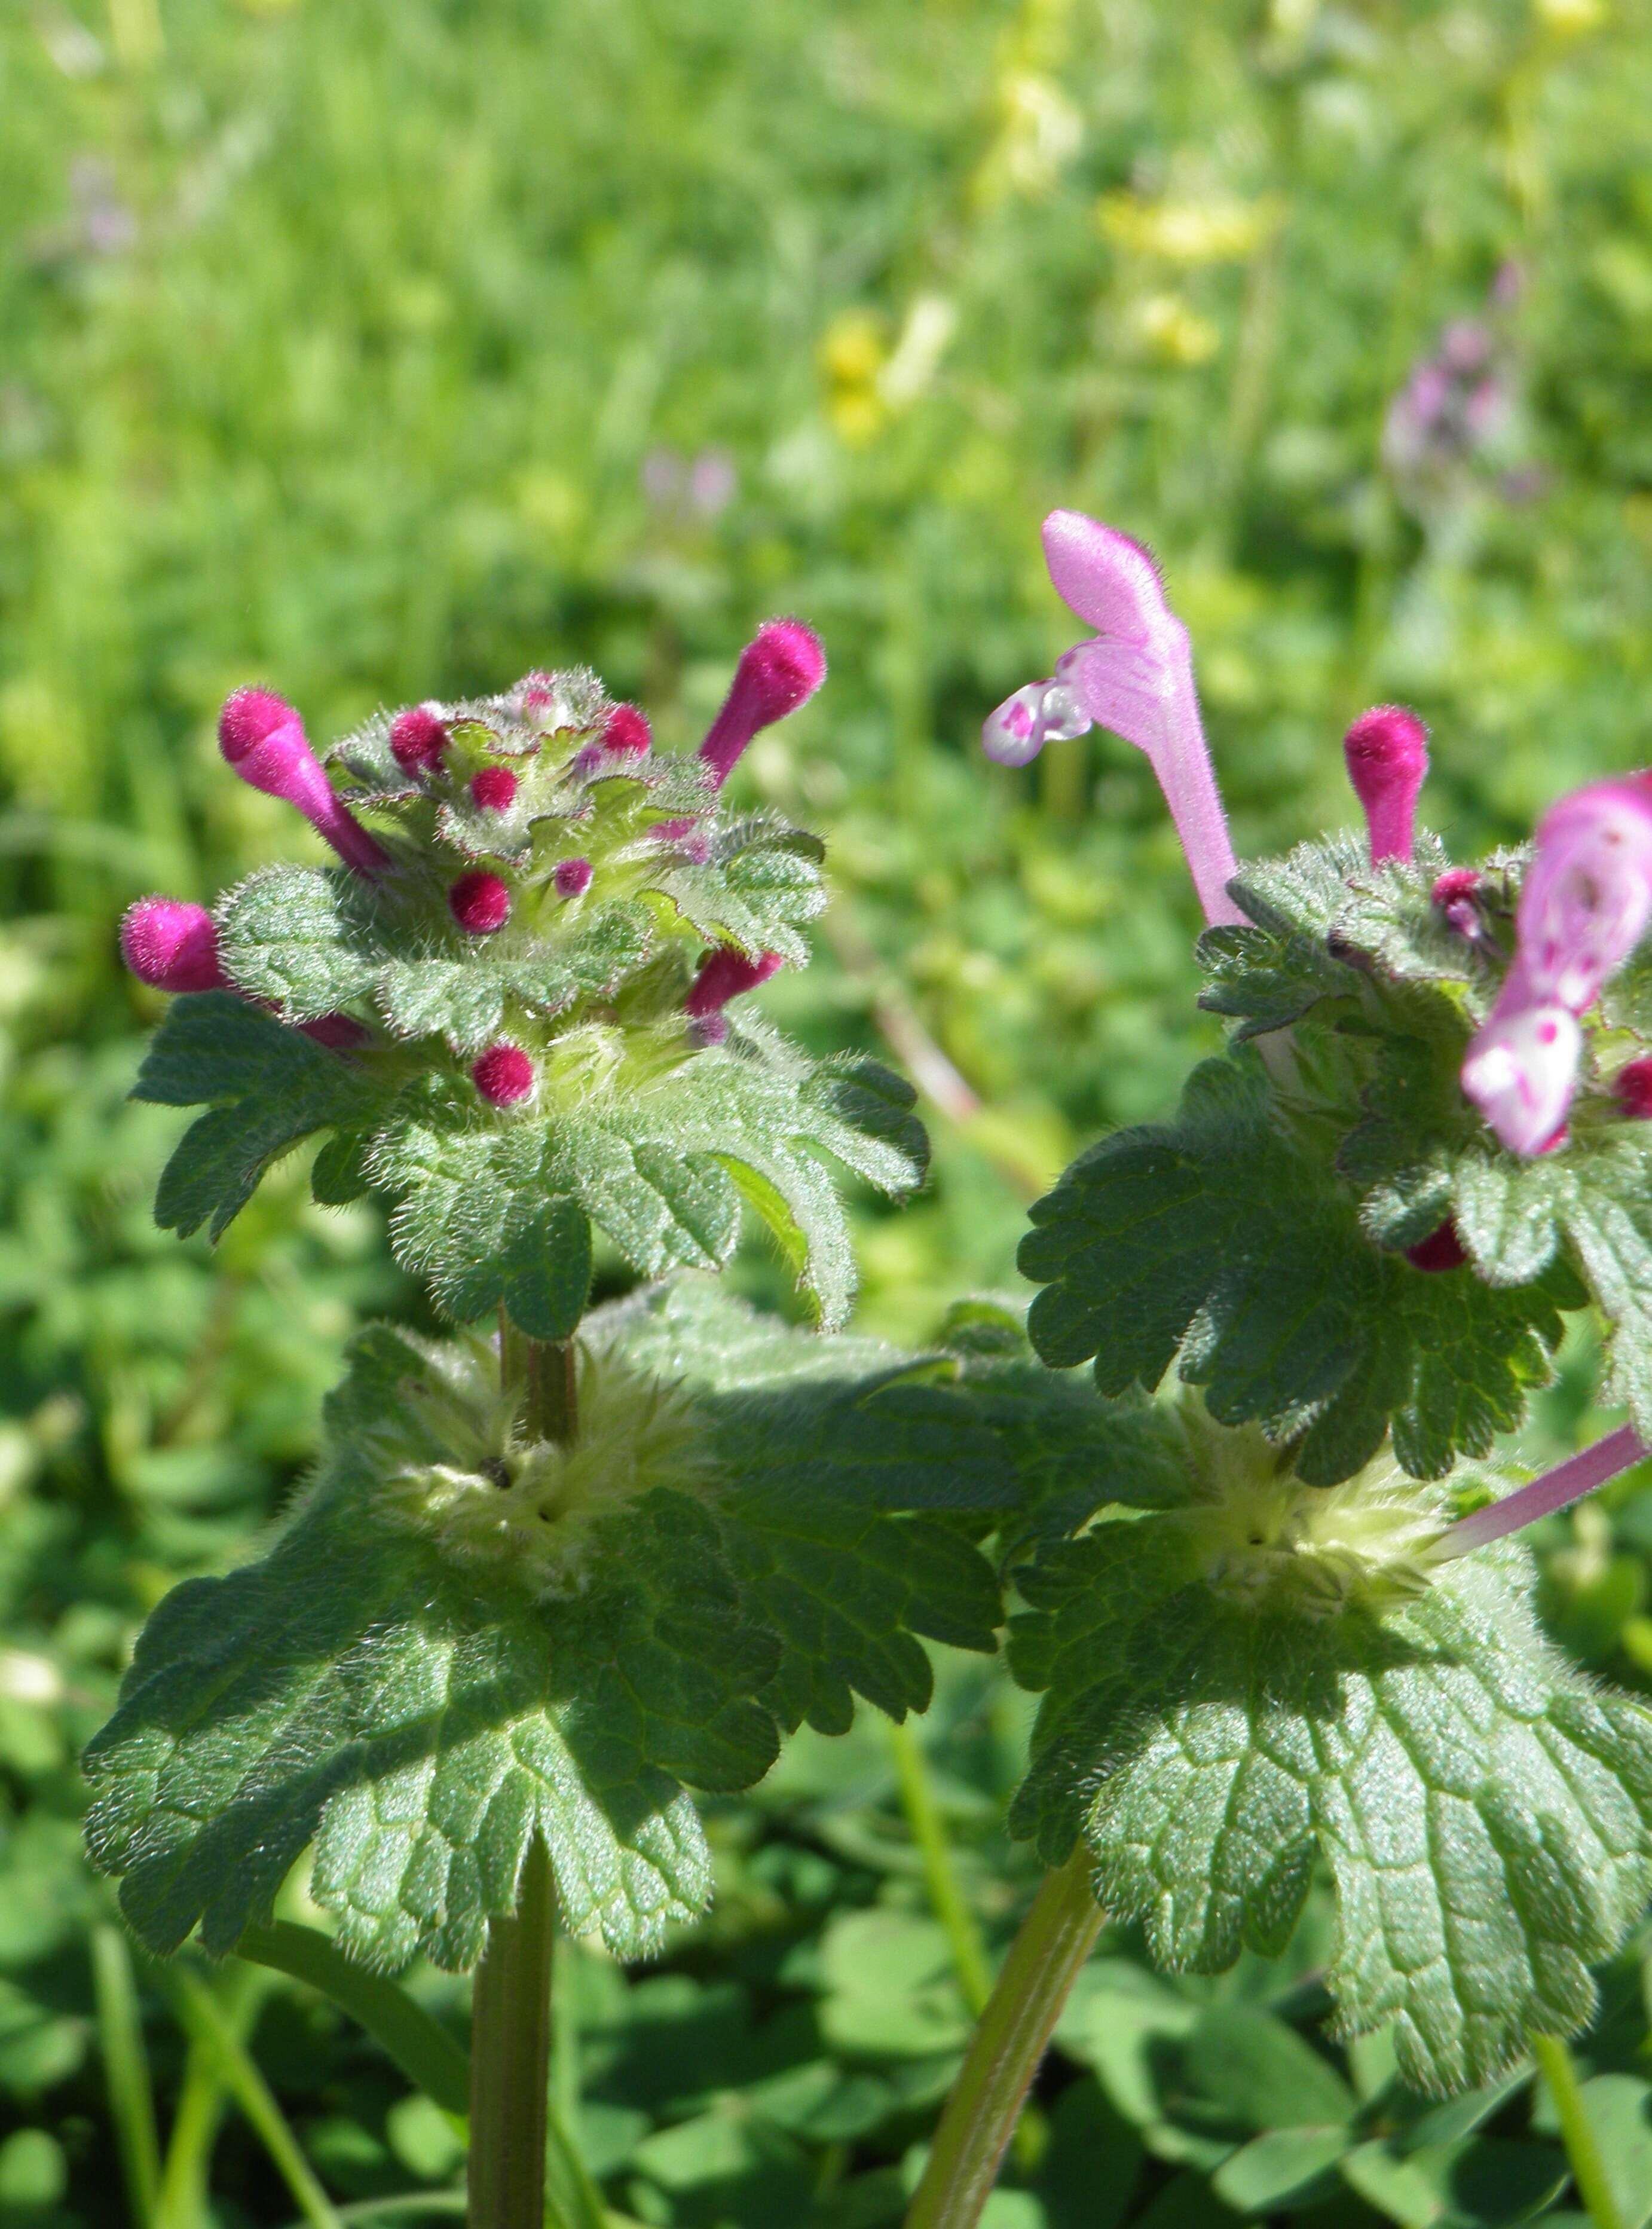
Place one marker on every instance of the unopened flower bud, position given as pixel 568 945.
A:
pixel 504 1075
pixel 418 740
pixel 1520 1073
pixel 1454 895
pixel 726 975
pixel 1387 750
pixel 708 1030
pixel 494 789
pixel 1633 1088
pixel 480 903
pixel 572 878
pixel 336 1031
pixel 263 739
pixel 626 730
pixel 172 945
pixel 1442 1249
pixel 778 670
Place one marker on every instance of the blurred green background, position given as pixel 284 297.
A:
pixel 385 350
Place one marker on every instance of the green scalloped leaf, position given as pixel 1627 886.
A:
pixel 1214 1243
pixel 1485 1809
pixel 269 1088
pixel 420 1721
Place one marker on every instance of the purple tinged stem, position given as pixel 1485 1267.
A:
pixel 1558 1489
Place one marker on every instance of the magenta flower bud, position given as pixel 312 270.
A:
pixel 1134 677
pixel 778 670
pixel 572 878
pixel 480 903
pixel 504 1075
pixel 1386 749
pixel 263 739
pixel 1454 894
pixel 1442 1249
pixel 1587 896
pixel 708 1030
pixel 336 1031
pixel 173 946
pixel 1520 1073
pixel 1633 1088
pixel 494 789
pixel 418 740
pixel 626 730
pixel 726 975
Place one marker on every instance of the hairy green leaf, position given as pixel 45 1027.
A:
pixel 1213 1242
pixel 1486 1811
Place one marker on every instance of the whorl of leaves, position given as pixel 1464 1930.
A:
pixel 1260 1238
pixel 419 1721
pixel 634 1123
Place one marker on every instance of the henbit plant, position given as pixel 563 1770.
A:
pixel 550 1572
pixel 1305 1633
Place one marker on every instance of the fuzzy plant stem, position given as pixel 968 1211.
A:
pixel 1009 2043
pixel 1583 2146
pixel 1557 1489
pixel 510 2010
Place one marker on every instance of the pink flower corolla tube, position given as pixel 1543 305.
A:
pixel 781 669
pixel 171 946
pixel 1134 677
pixel 263 739
pixel 727 974
pixel 1387 752
pixel 1585 904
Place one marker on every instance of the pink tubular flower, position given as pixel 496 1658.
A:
pixel 504 1075
pixel 1387 750
pixel 263 739
pixel 778 670
pixel 173 946
pixel 1584 905
pixel 1134 677
pixel 480 903
pixel 418 739
pixel 726 975
pixel 1521 1072
pixel 1587 896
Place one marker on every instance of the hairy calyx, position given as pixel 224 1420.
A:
pixel 507 1505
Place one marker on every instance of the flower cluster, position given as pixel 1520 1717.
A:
pixel 512 999
pixel 495 814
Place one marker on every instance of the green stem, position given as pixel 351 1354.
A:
pixel 510 2058
pixel 928 1832
pixel 1583 2148
pixel 1044 1959
pixel 511 2007
pixel 125 2066
pixel 432 2060
pixel 182 2201
pixel 208 2025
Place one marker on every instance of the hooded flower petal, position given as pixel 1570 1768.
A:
pixel 1137 678
pixel 1521 1072
pixel 1587 898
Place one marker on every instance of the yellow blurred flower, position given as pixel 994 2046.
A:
pixel 1171 329
pixel 852 353
pixel 1213 228
pixel 1570 18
